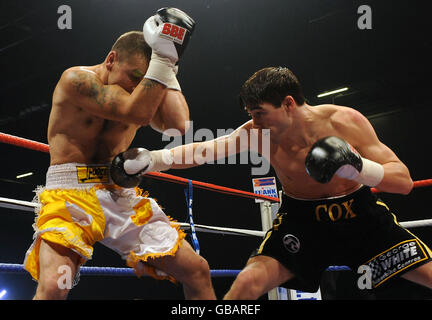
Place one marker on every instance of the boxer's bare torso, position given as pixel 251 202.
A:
pixel 292 136
pixel 292 132
pixel 96 113
pixel 77 135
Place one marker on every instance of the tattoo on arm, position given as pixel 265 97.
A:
pixel 106 97
pixel 86 85
pixel 149 84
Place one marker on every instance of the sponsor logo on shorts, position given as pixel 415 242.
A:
pixel 291 243
pixel 395 260
pixel 96 174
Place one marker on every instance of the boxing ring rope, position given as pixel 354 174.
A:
pixel 30 206
pixel 108 271
pixel 38 146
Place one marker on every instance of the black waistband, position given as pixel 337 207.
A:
pixel 338 207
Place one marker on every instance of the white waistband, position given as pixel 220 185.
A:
pixel 77 176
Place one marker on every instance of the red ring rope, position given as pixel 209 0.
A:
pixel 25 143
pixel 38 146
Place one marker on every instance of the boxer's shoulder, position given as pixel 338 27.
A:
pixel 82 79
pixel 339 116
pixel 330 109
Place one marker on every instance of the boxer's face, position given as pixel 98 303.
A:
pixel 127 73
pixel 267 116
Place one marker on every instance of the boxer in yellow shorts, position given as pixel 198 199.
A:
pixel 96 112
pixel 80 206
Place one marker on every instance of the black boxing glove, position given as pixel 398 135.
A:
pixel 332 155
pixel 127 168
pixel 119 175
pixel 167 33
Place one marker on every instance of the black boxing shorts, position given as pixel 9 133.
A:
pixel 354 230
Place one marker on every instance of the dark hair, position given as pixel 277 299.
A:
pixel 131 43
pixel 270 85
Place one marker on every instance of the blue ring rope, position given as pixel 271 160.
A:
pixel 109 271
pixel 112 271
pixel 189 202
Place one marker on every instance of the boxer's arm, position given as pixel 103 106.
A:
pixel 111 101
pixel 172 116
pixel 131 164
pixel 358 131
pixel 128 167
pixel 198 153
pixel 84 89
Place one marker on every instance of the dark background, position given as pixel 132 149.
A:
pixel 387 70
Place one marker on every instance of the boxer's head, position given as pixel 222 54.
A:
pixel 268 93
pixel 270 85
pixel 127 62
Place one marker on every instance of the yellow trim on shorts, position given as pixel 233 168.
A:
pixel 429 251
pixel 59 221
pixel 260 249
pixel 143 212
pixel 133 259
pixel 395 220
pixel 275 227
pixel 383 204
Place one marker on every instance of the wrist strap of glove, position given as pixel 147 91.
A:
pixel 160 69
pixel 371 174
pixel 174 84
pixel 161 160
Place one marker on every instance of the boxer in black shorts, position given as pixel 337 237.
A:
pixel 318 152
pixel 357 229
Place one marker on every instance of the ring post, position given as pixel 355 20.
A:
pixel 266 222
pixel 266 215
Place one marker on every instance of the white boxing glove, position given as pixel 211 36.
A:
pixel 167 33
pixel 161 46
pixel 128 168
pixel 144 161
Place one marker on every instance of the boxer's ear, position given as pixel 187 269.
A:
pixel 288 102
pixel 110 59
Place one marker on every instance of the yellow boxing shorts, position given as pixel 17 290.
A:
pixel 80 205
